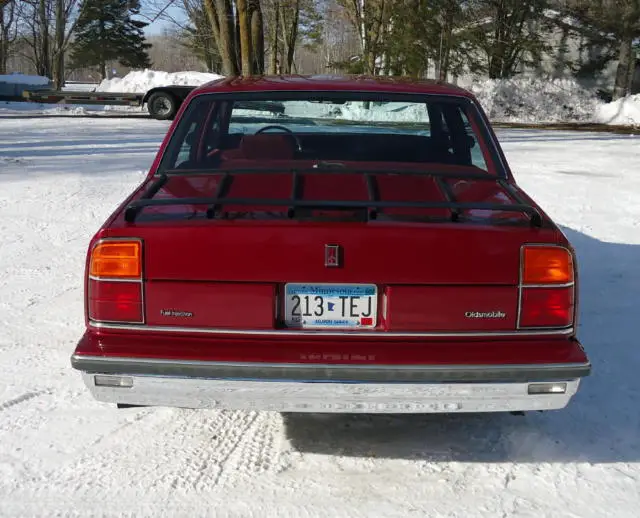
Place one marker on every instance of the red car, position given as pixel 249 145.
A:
pixel 330 244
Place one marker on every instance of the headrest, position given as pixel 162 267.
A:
pixel 272 147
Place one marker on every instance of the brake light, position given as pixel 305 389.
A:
pixel 546 307
pixel 115 301
pixel 547 287
pixel 114 289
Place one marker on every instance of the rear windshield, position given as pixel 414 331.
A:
pixel 305 129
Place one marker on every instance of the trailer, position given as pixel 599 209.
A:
pixel 162 102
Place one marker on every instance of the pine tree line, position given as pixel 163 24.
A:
pixel 419 38
pixel 107 31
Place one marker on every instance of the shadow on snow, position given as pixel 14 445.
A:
pixel 542 135
pixel 600 425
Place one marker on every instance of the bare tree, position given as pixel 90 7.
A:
pixel 169 52
pixel 221 18
pixel 370 19
pixel 9 15
pixel 289 19
pixel 197 35
pixel 50 25
pixel 274 36
pixel 340 41
pixel 257 36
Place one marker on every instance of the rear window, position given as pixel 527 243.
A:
pixel 260 130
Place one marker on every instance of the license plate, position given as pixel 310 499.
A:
pixel 318 306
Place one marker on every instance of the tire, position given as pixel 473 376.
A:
pixel 162 106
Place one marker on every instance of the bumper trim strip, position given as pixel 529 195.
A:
pixel 377 335
pixel 313 372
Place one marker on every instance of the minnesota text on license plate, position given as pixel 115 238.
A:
pixel 331 305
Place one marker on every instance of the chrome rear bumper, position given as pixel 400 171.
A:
pixel 331 388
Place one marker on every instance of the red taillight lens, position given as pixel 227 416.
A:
pixel 546 307
pixel 112 301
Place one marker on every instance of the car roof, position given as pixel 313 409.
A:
pixel 378 84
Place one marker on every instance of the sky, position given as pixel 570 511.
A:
pixel 150 9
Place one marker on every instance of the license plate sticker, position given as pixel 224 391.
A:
pixel 333 306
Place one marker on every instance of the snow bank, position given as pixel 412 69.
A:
pixel 520 100
pixel 388 112
pixel 141 81
pixel 24 79
pixel 625 111
pixel 531 100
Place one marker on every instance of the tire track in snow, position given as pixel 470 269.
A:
pixel 211 449
pixel 234 426
pixel 258 452
pixel 22 399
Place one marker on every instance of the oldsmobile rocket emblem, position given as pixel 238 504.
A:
pixel 332 256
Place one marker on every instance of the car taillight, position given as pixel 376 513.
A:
pixel 114 290
pixel 547 287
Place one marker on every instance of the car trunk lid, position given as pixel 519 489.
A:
pixel 224 258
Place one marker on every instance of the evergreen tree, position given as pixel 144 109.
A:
pixel 106 32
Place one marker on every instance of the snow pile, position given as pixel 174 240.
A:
pixel 529 100
pixel 143 80
pixel 387 112
pixel 518 100
pixel 25 80
pixel 625 111
pixel 356 111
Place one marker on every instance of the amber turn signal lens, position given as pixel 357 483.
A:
pixel 547 265
pixel 116 259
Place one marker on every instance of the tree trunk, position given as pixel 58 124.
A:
pixel 290 31
pixel 273 53
pixel 446 35
pixel 632 72
pixel 58 56
pixel 102 67
pixel 242 12
pixel 257 36
pixel 620 88
pixel 45 57
pixel 3 58
pixel 221 18
pixel 4 48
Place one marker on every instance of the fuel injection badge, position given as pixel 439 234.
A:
pixel 175 313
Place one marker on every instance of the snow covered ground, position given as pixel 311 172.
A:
pixel 63 454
